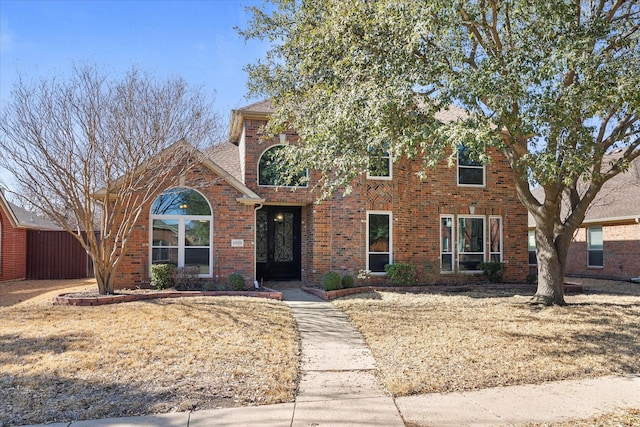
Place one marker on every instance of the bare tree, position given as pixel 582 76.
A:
pixel 90 152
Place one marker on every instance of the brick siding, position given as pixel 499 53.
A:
pixel 13 253
pixel 621 249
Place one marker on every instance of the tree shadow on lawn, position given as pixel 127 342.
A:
pixel 47 398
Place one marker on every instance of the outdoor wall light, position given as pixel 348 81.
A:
pixel 279 217
pixel 472 209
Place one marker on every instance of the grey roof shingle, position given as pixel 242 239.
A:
pixel 227 156
pixel 26 219
pixel 618 198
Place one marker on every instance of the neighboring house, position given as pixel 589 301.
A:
pixel 607 244
pixel 227 215
pixel 15 223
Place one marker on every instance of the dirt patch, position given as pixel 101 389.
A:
pixel 35 292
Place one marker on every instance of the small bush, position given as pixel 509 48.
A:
pixel 331 281
pixel 532 279
pixel 186 278
pixel 401 274
pixel 347 281
pixel 236 282
pixel 162 276
pixel 494 271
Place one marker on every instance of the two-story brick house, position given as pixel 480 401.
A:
pixel 445 225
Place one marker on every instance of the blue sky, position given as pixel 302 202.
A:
pixel 192 39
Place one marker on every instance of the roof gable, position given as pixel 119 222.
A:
pixel 22 218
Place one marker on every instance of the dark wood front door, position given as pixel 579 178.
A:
pixel 278 243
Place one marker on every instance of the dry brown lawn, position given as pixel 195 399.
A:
pixel 442 343
pixel 60 363
pixel 625 418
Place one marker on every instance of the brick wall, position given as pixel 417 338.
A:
pixel 231 220
pixel 621 252
pixel 334 231
pixel 13 252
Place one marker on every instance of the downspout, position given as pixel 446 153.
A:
pixel 256 208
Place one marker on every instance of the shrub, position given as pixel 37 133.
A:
pixel 331 281
pixel 532 279
pixel 347 281
pixel 236 282
pixel 162 275
pixel 186 278
pixel 401 274
pixel 494 271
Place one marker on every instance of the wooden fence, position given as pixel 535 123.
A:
pixel 56 255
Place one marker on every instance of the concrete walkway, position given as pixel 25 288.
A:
pixel 339 388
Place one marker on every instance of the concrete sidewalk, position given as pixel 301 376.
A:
pixel 339 388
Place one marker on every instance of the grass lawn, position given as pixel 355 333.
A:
pixel 443 343
pixel 62 363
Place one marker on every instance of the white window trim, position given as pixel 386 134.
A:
pixel 276 186
pixel 452 245
pixel 382 177
pixel 499 218
pixel 484 174
pixel 379 273
pixel 484 241
pixel 181 232
pixel 589 244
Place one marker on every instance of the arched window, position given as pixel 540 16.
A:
pixel 272 169
pixel 181 230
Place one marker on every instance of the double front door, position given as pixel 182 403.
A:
pixel 278 246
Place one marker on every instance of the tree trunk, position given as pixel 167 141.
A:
pixel 551 253
pixel 104 279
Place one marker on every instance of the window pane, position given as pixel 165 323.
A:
pixel 596 258
pixel 379 233
pixel 377 262
pixel 261 236
pixel 283 238
pixel 532 257
pixel 181 201
pixel 532 240
pixel 447 262
pixel 464 158
pixel 595 237
pixel 470 235
pixel 164 256
pixel 470 176
pixel 273 168
pixel 495 232
pixel 470 262
pixel 196 233
pixel 165 232
pixel 446 230
pixel 197 257
pixel 380 166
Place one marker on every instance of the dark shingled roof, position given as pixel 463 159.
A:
pixel 619 197
pixel 26 219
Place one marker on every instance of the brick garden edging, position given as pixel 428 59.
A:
pixel 69 299
pixel 329 295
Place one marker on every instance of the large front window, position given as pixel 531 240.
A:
pixel 470 243
pixel 378 241
pixel 181 230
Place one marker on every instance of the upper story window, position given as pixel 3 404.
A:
pixel 470 172
pixel 272 169
pixel 181 230
pixel 379 165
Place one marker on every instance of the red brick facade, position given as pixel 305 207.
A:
pixel 13 249
pixel 621 246
pixel 334 232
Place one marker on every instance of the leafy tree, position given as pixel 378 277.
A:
pixel 552 84
pixel 91 152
